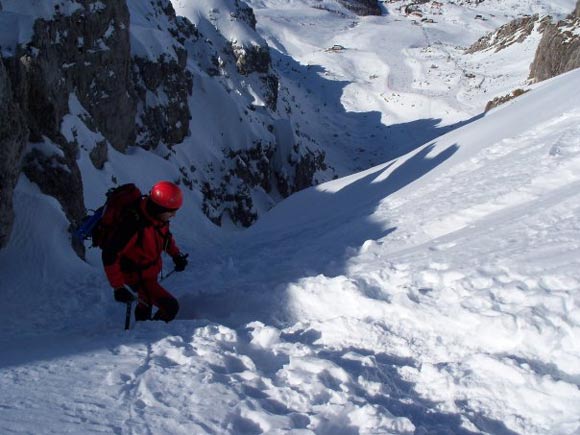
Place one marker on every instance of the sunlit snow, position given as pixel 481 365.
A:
pixel 437 292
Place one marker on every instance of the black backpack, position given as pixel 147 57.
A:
pixel 101 224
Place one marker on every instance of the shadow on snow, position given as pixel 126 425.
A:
pixel 317 236
pixel 317 233
pixel 315 104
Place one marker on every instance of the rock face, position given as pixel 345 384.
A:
pixel 162 88
pixel 163 84
pixel 13 138
pixel 257 167
pixel 96 74
pixel 515 31
pixel 254 58
pixel 559 48
pixel 86 54
pixel 362 7
pixel 257 163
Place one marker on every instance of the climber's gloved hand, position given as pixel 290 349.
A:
pixel 180 262
pixel 124 295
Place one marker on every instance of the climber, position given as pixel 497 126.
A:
pixel 132 254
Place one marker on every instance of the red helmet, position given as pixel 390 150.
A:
pixel 167 195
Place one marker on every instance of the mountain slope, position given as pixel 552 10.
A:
pixel 372 88
pixel 436 292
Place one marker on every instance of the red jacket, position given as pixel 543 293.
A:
pixel 134 253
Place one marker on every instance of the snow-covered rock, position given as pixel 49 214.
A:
pixel 436 291
pixel 91 76
pixel 514 32
pixel 559 49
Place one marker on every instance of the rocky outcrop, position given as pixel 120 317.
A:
pixel 498 101
pixel 243 12
pixel 257 168
pixel 306 163
pixel 244 171
pixel 164 84
pixel 85 54
pixel 256 59
pixel 362 7
pixel 514 32
pixel 89 79
pixel 163 88
pixel 59 176
pixel 252 58
pixel 559 48
pixel 13 138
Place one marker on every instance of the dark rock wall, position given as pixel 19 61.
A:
pixel 129 99
pixel 163 85
pixel 362 7
pixel 86 54
pixel 166 119
pixel 559 49
pixel 13 138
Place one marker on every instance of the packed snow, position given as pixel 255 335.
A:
pixel 437 292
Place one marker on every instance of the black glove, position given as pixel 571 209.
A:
pixel 180 262
pixel 122 294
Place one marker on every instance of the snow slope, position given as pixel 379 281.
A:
pixel 397 81
pixel 435 293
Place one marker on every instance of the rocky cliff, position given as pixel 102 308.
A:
pixel 90 76
pixel 559 48
pixel 514 32
pixel 162 81
pixel 362 7
pixel 13 138
pixel 256 162
pixel 85 53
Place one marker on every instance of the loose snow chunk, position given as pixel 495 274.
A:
pixel 370 419
pixel 173 356
pixel 218 332
pixel 264 336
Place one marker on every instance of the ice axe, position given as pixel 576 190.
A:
pixel 163 278
pixel 128 315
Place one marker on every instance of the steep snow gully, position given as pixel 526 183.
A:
pixel 434 293
pixel 437 293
